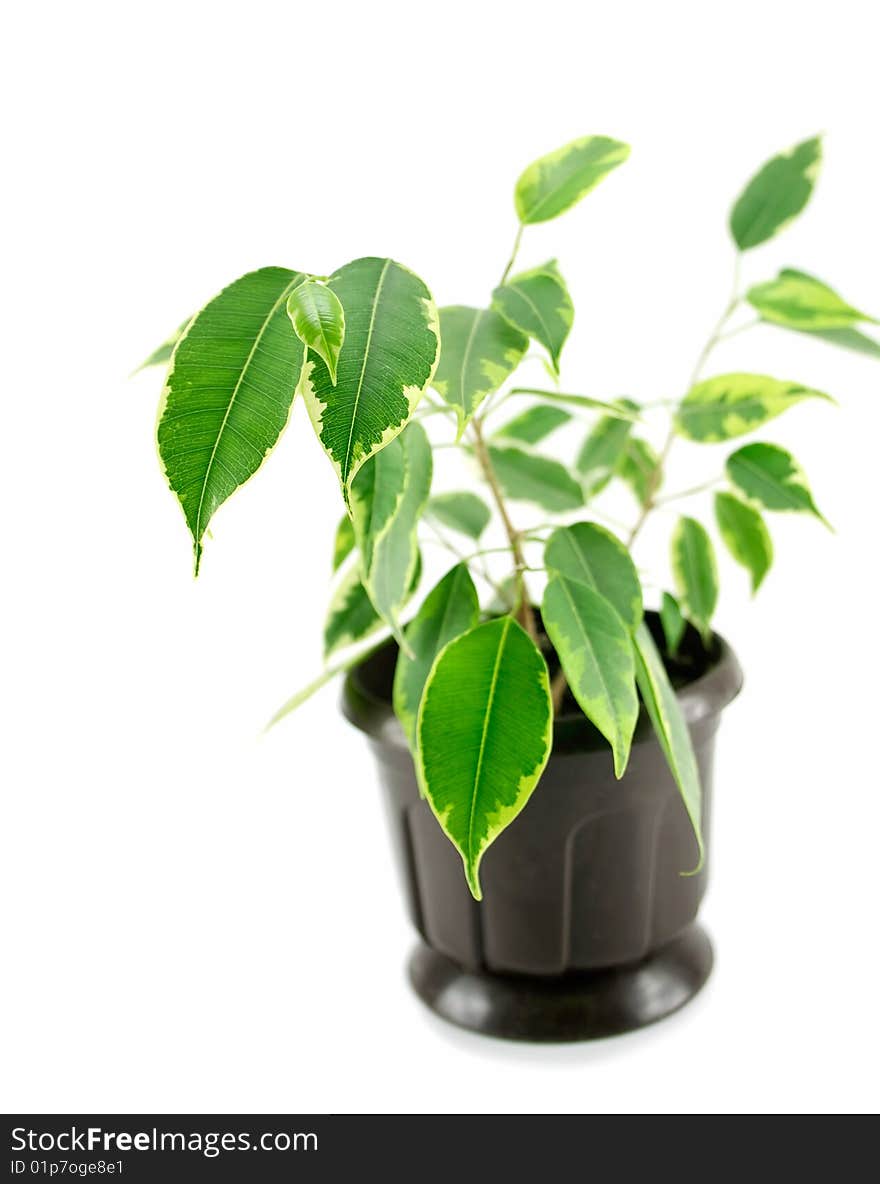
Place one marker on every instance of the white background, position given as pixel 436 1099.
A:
pixel 198 919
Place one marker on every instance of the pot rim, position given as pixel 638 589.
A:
pixel 706 696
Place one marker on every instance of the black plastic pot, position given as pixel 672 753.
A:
pixel 587 926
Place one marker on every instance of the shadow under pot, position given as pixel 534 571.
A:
pixel 587 927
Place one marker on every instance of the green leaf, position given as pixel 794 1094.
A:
pixel 319 321
pixel 389 496
pixel 796 300
pixel 351 615
pixel 620 409
pixel 745 535
pixel 162 353
pixel 670 728
pixel 480 350
pixel 776 194
pixel 450 609
pixel 554 183
pixel 772 477
pixel 343 543
pixel 638 468
pixel 595 650
pixel 695 572
pixel 673 623
pixel 537 303
pixel 484 729
pixel 228 393
pixel 533 425
pixel 734 404
pixel 603 450
pixel 851 339
pixel 589 554
pixel 386 362
pixel 465 512
pixel 524 476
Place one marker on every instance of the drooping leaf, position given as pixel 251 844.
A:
pixel 769 475
pixel 851 339
pixel 386 518
pixel 538 304
pixel 484 735
pixel 525 476
pixel 318 319
pixel 595 650
pixel 343 543
pixel 776 194
pixel 670 728
pixel 450 609
pixel 734 404
pixel 228 393
pixel 480 349
pixel 745 535
pixel 555 182
pixel 386 362
pixel 639 468
pixel 351 615
pixel 533 425
pixel 162 353
pixel 589 554
pixel 619 408
pixel 695 572
pixel 603 450
pixel 796 300
pixel 464 511
pixel 673 623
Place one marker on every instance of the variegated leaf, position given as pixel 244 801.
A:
pixel 673 623
pixel 162 353
pixel 318 319
pixel 386 362
pixel 343 542
pixel 533 425
pixel 537 303
pixel 484 733
pixel 776 194
pixel 796 300
pixel 639 468
pixel 695 572
pixel 351 615
pixel 603 450
pixel 525 476
pixel 770 476
pixel 480 349
pixel 465 512
pixel 734 404
pixel 555 182
pixel 228 393
pixel 745 535
pixel 589 554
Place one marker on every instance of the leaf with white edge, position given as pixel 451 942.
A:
pixel 770 476
pixel 485 729
pixel 673 623
pixel 591 555
pixel 595 649
pixel 538 304
pixel 162 353
pixel 450 609
pixel 776 194
pixel 525 476
pixel 639 468
pixel 745 535
pixel 464 512
pixel 555 182
pixel 228 393
pixel 603 450
pixel 318 319
pixel 796 300
pixel 480 350
pixel 386 526
pixel 695 572
pixel 619 409
pixel 351 615
pixel 733 404
pixel 534 425
pixel 386 362
pixel 671 729
pixel 343 543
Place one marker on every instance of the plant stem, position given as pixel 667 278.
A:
pixel 513 254
pixel 714 337
pixel 524 612
pixel 694 489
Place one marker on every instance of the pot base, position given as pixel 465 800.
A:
pixel 585 1006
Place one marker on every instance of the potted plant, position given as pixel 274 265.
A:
pixel 577 918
